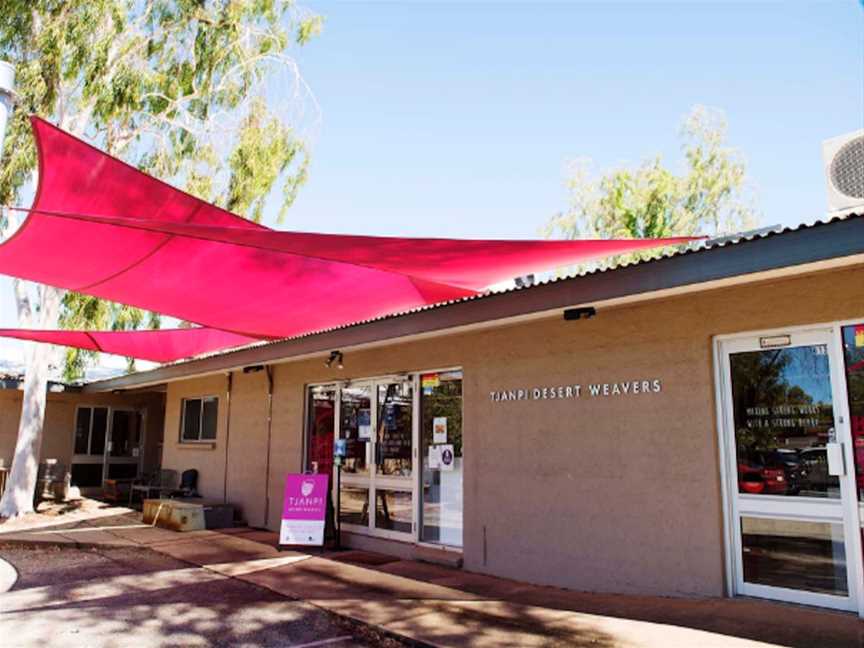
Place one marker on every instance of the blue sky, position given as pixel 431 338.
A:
pixel 458 119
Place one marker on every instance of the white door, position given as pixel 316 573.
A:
pixel 789 469
pixel 378 423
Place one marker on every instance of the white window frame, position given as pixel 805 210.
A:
pixel 202 399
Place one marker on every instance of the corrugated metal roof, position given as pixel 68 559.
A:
pixel 685 250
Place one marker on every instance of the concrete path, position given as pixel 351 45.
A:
pixel 439 606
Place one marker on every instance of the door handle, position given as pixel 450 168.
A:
pixel 836 460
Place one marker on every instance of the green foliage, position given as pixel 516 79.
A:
pixel 175 87
pixel 86 312
pixel 651 201
pixel 265 149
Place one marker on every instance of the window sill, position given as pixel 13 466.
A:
pixel 197 445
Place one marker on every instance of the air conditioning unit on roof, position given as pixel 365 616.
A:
pixel 844 170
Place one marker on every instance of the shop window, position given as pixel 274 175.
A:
pixel 442 457
pixel 198 417
pixel 91 428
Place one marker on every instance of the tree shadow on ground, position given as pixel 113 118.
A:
pixel 176 605
pixel 182 605
pixel 737 618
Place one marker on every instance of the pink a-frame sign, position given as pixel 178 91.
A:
pixel 304 510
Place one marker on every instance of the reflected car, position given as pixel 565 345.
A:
pixel 775 472
pixel 750 479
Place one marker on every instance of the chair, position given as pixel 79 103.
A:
pixel 161 482
pixel 115 489
pixel 188 484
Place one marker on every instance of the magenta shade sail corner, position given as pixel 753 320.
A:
pixel 162 345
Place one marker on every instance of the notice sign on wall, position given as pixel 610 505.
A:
pixel 304 510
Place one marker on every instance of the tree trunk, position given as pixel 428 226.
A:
pixel 21 484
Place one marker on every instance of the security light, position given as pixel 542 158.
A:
pixel 335 356
pixel 586 312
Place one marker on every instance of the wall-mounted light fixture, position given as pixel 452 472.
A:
pixel 585 312
pixel 335 357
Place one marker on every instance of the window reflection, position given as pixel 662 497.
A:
pixel 797 555
pixel 784 416
pixel 320 429
pixel 393 510
pixel 395 429
pixel 354 506
pixel 356 427
pixel 82 430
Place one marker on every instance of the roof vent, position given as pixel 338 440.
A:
pixel 844 168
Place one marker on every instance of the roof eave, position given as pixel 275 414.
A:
pixel 802 247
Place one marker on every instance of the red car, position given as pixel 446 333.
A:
pixel 762 479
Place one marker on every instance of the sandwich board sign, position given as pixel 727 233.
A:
pixel 304 510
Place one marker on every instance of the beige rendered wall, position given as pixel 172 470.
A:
pixel 618 493
pixel 207 458
pixel 59 424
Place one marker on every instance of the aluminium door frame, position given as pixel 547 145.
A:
pixel 728 473
pixel 417 460
pixel 372 480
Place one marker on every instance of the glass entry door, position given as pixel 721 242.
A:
pixel 789 469
pixel 124 447
pixel 376 420
pixel 107 444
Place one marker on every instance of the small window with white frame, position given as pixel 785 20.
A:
pixel 198 419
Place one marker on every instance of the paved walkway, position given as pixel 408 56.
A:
pixel 439 606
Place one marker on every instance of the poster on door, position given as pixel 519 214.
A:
pixel 439 429
pixel 448 457
pixel 304 510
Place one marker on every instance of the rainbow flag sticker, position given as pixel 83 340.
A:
pixel 428 382
pixel 859 336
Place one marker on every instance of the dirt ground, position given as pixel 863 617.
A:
pixel 119 597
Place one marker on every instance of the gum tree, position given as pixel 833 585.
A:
pixel 709 197
pixel 203 93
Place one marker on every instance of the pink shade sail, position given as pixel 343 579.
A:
pixel 103 228
pixel 163 345
pixel 470 264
